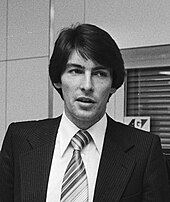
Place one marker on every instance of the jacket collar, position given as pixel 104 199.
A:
pixel 44 132
pixel 35 164
pixel 116 164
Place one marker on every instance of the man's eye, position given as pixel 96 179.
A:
pixel 75 71
pixel 101 74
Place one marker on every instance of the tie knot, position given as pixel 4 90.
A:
pixel 80 139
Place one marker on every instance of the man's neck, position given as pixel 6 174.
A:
pixel 83 124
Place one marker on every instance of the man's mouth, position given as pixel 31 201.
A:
pixel 86 100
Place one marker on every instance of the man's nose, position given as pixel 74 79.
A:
pixel 87 83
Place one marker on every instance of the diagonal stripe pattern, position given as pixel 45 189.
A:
pixel 75 185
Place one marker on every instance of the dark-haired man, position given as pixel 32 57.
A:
pixel 82 155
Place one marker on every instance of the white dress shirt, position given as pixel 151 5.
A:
pixel 63 153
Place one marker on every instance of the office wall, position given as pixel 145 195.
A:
pixel 24 55
pixel 28 30
pixel 132 23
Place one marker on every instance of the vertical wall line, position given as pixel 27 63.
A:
pixel 51 45
pixel 6 71
pixel 84 11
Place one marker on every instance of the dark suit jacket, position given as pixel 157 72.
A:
pixel 131 167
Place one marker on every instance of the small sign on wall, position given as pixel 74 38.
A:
pixel 140 122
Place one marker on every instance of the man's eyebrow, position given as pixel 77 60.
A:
pixel 100 67
pixel 95 68
pixel 74 65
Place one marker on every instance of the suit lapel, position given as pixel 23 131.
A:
pixel 115 169
pixel 35 164
pixel 116 166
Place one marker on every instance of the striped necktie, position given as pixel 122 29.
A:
pixel 75 185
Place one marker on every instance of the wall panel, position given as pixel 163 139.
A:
pixel 132 23
pixel 2 99
pixel 3 23
pixel 67 13
pixel 28 33
pixel 27 89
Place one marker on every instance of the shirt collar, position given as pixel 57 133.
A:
pixel 97 131
pixel 65 134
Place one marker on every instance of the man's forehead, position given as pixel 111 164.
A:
pixel 76 60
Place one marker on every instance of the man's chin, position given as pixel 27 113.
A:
pixel 87 117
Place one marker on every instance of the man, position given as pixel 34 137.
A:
pixel 119 163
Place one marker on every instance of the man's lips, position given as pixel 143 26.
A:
pixel 85 100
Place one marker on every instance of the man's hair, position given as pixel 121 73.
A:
pixel 91 42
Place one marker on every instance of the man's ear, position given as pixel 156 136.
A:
pixel 112 90
pixel 57 85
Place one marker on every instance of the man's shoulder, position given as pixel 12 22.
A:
pixel 34 123
pixel 20 133
pixel 129 131
pixel 127 135
pixel 29 128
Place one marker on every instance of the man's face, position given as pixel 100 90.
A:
pixel 86 87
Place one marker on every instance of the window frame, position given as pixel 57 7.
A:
pixel 145 57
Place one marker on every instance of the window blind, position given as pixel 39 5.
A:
pixel 148 94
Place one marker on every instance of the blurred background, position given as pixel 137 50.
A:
pixel 141 29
